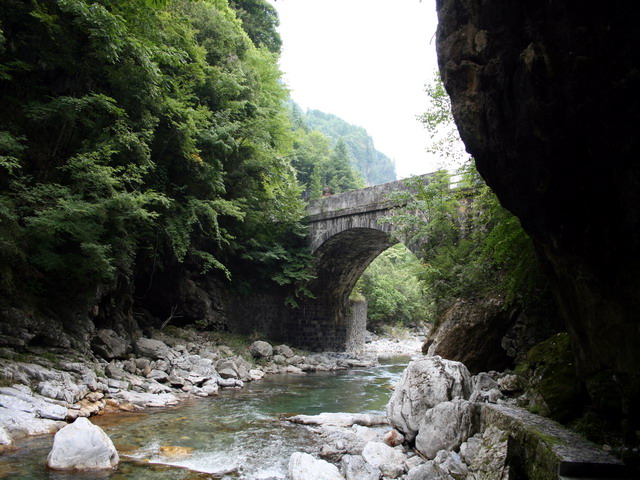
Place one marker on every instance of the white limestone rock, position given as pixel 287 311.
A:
pixel 5 437
pixel 27 423
pixel 82 446
pixel 144 400
pixel 303 466
pixel 355 467
pixel 255 374
pixel 340 419
pixel 446 426
pixel 365 433
pixel 386 459
pixel 428 471
pixel 426 383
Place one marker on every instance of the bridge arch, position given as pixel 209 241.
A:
pixel 346 233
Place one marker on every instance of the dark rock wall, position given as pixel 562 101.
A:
pixel 471 332
pixel 545 96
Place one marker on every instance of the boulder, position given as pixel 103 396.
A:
pixel 393 438
pixel 295 360
pixel 425 383
pixel 338 442
pixel 429 471
pixel 279 359
pixel 446 426
pixel 82 446
pixel 303 466
pixel 260 349
pixel 148 347
pixel 485 389
pixel 210 387
pixel 66 390
pixel 511 383
pixel 388 460
pixel 469 449
pixel 471 332
pixel 227 369
pixel 230 383
pixel 283 350
pixel 451 464
pixel 356 468
pixel 109 345
pixel 144 400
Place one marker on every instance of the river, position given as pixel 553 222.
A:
pixel 239 431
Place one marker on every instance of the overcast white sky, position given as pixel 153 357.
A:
pixel 366 61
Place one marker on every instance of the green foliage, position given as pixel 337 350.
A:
pixel 374 166
pixel 393 290
pixel 137 136
pixel 321 169
pixel 471 246
pixel 260 21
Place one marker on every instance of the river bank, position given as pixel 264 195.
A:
pixel 243 431
pixel 439 422
pixel 44 389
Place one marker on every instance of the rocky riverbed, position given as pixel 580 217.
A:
pixel 444 424
pixel 43 391
pixel 441 422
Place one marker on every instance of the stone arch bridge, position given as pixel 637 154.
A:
pixel 345 235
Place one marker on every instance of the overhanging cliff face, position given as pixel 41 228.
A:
pixel 546 96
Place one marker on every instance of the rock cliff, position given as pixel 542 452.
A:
pixel 545 98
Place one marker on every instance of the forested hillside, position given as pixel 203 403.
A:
pixel 141 140
pixel 374 166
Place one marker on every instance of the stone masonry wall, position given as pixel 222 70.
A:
pixel 356 327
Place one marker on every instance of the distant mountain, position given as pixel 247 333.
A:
pixel 374 166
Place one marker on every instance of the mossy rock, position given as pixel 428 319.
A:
pixel 554 378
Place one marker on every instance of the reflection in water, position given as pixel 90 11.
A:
pixel 238 434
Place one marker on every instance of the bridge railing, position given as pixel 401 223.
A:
pixel 358 201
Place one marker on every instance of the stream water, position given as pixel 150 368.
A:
pixel 239 431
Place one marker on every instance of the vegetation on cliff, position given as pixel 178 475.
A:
pixel 469 246
pixel 136 138
pixel 372 165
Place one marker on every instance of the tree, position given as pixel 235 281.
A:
pixel 137 139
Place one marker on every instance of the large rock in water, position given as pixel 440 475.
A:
pixel 82 446
pixel 545 97
pixel 425 383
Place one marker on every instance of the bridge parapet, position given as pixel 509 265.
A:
pixel 357 201
pixel 359 209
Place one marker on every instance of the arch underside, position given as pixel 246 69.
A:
pixel 341 260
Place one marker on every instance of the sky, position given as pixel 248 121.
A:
pixel 366 61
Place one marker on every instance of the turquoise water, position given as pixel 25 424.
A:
pixel 240 434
